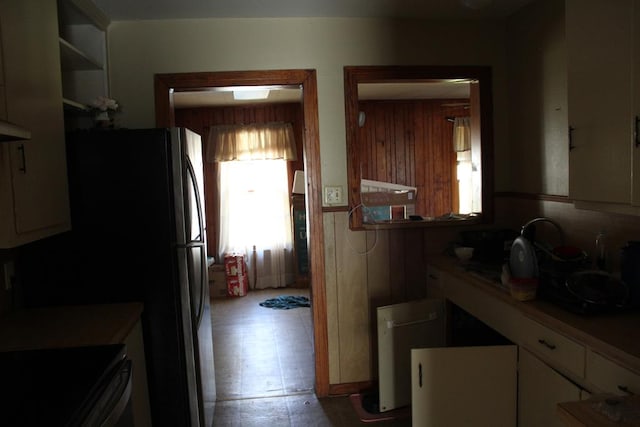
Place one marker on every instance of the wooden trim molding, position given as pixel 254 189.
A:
pixel 349 388
pixel 481 100
pixel 166 84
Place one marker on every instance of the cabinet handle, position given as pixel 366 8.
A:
pixel 571 146
pixel 636 132
pixel 22 168
pixel 625 389
pixel 547 344
pixel 420 375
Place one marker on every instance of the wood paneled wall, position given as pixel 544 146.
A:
pixel 410 143
pixel 201 119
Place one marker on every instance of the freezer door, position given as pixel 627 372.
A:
pixel 464 386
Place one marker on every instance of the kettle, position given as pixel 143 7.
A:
pixel 527 253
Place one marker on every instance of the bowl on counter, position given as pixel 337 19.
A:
pixel 464 253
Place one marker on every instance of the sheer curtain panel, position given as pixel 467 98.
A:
pixel 255 216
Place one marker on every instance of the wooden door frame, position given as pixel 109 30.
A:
pixel 166 84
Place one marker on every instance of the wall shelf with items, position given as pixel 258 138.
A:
pixel 83 53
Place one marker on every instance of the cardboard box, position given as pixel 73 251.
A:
pixel 388 198
pixel 235 268
pixel 368 186
pixel 237 287
pixel 375 214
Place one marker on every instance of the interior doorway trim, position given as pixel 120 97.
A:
pixel 166 84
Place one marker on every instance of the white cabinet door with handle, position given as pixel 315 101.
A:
pixel 464 386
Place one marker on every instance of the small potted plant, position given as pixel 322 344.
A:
pixel 103 110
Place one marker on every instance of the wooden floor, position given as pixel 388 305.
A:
pixel 262 352
pixel 265 366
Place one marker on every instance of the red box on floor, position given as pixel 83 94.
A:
pixel 235 265
pixel 235 269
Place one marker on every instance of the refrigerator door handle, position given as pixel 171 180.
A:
pixel 203 293
pixel 196 306
pixel 196 191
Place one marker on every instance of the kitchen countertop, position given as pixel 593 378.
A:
pixel 585 413
pixel 609 334
pixel 68 326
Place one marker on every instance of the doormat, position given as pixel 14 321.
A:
pixel 286 302
pixel 366 406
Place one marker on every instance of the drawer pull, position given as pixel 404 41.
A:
pixel 420 375
pixel 625 389
pixel 546 344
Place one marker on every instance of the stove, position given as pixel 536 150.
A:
pixel 61 387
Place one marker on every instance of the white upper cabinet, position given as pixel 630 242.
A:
pixel 600 80
pixel 33 176
pixel 83 52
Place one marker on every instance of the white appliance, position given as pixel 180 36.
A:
pixel 447 380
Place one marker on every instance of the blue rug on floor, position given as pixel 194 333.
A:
pixel 286 302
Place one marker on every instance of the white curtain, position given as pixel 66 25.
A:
pixel 255 220
pixel 462 147
pixel 263 141
pixel 461 134
pixel 255 217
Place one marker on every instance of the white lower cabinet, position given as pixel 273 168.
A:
pixel 470 381
pixel 540 389
pixel 609 377
pixel 464 386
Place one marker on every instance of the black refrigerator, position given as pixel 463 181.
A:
pixel 138 234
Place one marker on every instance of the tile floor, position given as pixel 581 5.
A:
pixel 264 367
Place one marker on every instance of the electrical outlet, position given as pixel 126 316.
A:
pixel 332 195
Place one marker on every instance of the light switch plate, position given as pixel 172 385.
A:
pixel 332 195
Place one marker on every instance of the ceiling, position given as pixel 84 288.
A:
pixel 128 10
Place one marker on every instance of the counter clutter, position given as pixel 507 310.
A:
pixel 561 355
pixel 601 411
pixel 608 334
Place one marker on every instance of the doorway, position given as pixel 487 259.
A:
pixel 165 87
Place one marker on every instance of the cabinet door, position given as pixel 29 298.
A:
pixel 540 389
pixel 464 386
pixel 599 66
pixel 34 100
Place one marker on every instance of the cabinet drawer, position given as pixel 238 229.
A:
pixel 610 377
pixel 558 350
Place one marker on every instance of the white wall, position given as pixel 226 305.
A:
pixel 139 49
